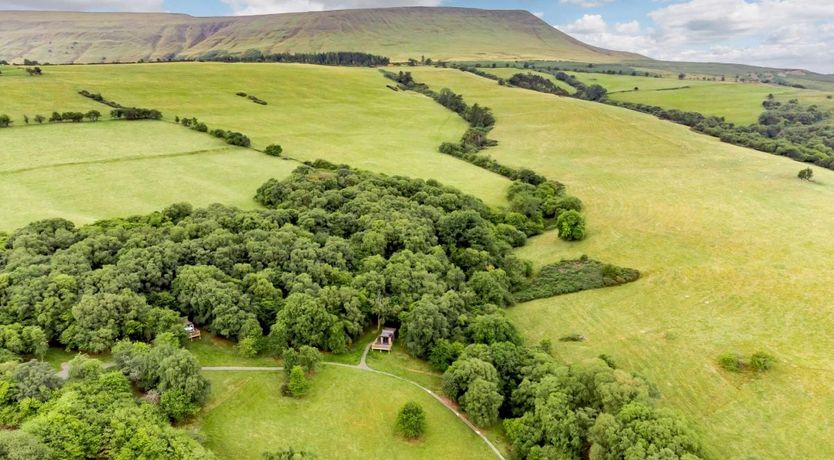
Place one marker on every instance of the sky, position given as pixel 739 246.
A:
pixel 777 33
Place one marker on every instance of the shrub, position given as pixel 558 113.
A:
pixel 732 362
pixel 239 139
pixel 297 385
pixel 571 226
pixel 411 420
pixel 274 150
pixel 177 405
pixel 248 347
pixel 5 121
pixel 806 174
pixel 289 454
pixel 39 119
pixel 572 338
pixel 762 361
pixel 306 357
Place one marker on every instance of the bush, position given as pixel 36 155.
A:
pixel 248 347
pixel 411 421
pixel 297 385
pixel 732 362
pixel 571 226
pixel 572 338
pixel 289 454
pixel 762 361
pixel 806 174
pixel 274 150
pixel 5 121
pixel 573 276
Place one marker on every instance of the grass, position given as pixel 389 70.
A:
pixel 89 171
pixel 344 416
pixel 212 350
pixel 735 254
pixel 344 115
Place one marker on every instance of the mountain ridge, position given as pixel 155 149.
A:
pixel 399 33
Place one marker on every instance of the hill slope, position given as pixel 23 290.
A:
pixel 399 33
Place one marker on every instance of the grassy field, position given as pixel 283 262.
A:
pixel 735 253
pixel 343 416
pixel 738 102
pixel 212 350
pixel 88 171
pixel 344 115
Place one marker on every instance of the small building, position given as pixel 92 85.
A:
pixel 190 330
pixel 385 341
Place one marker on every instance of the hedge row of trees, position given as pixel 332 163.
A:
pixel 56 117
pixel 335 58
pixel 231 137
pixel 252 98
pixel 536 83
pixel 533 195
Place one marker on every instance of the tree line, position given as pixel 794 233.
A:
pixel 333 58
pixel 533 196
pixel 230 137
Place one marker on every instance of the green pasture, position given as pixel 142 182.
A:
pixel 735 253
pixel 347 414
pixel 88 171
pixel 344 115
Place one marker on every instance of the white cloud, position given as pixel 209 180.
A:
pixel 83 5
pixel 589 24
pixel 631 27
pixel 538 14
pixel 777 33
pixel 246 7
pixel 586 3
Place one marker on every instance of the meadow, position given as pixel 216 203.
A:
pixel 734 252
pixel 740 103
pixel 343 416
pixel 88 171
pixel 344 115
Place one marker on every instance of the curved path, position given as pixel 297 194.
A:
pixel 363 366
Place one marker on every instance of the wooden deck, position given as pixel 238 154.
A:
pixel 385 340
pixel 379 346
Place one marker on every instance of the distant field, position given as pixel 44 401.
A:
pixel 738 102
pixel 735 253
pixel 345 415
pixel 345 115
pixel 88 171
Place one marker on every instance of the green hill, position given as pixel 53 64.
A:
pixel 399 33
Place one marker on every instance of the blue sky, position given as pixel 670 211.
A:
pixel 778 33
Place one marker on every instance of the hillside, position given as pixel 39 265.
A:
pixel 399 33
